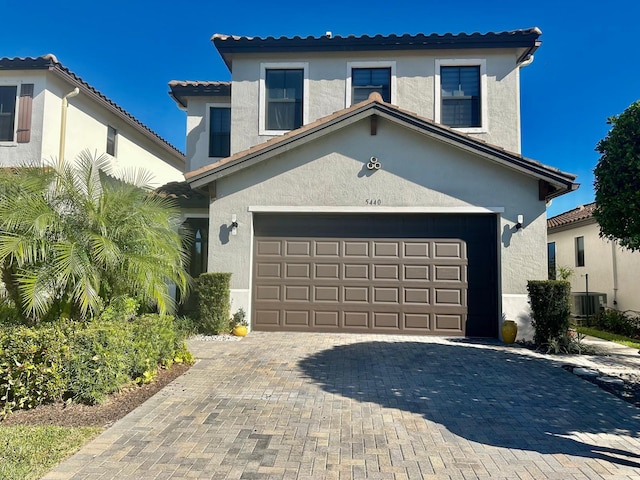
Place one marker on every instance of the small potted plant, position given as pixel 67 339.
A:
pixel 239 323
pixel 509 330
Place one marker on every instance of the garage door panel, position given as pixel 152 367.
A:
pixel 416 249
pixel 268 270
pixel 355 319
pixel 417 321
pixel 355 294
pixel 386 272
pixel 356 249
pixel 296 318
pixel 386 249
pixel 330 319
pixel 356 271
pixel 297 293
pixel 326 293
pixel 269 248
pixel 419 296
pixel 447 296
pixel 447 250
pixel 295 270
pixel 267 318
pixel 416 272
pixel 386 295
pixel 386 320
pixel 448 324
pixel 298 248
pixel 327 248
pixel 267 293
pixel 330 271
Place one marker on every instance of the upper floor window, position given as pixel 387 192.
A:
pixel 112 135
pixel 461 94
pixel 365 78
pixel 219 131
pixel 283 97
pixel 7 112
pixel 579 251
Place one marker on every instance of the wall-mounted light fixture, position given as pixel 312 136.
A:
pixel 234 224
pixel 520 225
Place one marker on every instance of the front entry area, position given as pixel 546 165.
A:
pixel 397 274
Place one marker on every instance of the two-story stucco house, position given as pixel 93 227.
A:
pixel 371 184
pixel 33 92
pixel 574 242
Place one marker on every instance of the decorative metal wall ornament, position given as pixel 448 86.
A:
pixel 374 164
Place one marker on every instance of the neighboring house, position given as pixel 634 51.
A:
pixel 574 242
pixel 371 184
pixel 31 99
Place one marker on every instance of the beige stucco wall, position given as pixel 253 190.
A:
pixel 606 263
pixel 86 129
pixel 416 172
pixel 415 89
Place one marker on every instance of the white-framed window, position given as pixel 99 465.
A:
pixel 364 78
pixel 579 251
pixel 461 94
pixel 284 97
pixel 8 110
pixel 112 140
pixel 219 128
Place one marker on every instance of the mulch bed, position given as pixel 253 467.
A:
pixel 104 415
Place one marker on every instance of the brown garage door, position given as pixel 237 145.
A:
pixel 383 285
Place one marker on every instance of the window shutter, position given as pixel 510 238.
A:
pixel 24 113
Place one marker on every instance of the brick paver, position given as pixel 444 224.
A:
pixel 313 406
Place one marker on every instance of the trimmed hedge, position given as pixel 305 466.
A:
pixel 550 309
pixel 214 303
pixel 84 361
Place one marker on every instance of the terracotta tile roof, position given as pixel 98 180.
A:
pixel 184 194
pixel 375 101
pixel 527 40
pixel 50 62
pixel 180 89
pixel 583 212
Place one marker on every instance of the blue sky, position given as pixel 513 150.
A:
pixel 587 69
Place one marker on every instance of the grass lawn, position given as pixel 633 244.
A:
pixel 612 337
pixel 27 452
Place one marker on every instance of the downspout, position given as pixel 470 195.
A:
pixel 63 121
pixel 614 265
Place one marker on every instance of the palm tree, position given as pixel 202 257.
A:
pixel 72 236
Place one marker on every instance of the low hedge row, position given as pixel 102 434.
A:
pixel 84 362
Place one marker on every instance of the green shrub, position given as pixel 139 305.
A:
pixel 121 308
pixel 213 303
pixel 550 309
pixel 84 361
pixel 31 371
pixel 98 361
pixel 615 321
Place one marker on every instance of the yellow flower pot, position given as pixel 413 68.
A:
pixel 509 331
pixel 240 331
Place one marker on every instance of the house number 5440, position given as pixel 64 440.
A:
pixel 373 201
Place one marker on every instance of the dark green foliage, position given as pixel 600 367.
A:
pixel 84 361
pixel 31 371
pixel 617 179
pixel 213 303
pixel 239 319
pixel 615 321
pixel 122 307
pixel 550 309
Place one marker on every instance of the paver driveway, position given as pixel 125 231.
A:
pixel 313 405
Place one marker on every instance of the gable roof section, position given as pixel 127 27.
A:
pixel 525 41
pixel 556 182
pixel 576 217
pixel 180 90
pixel 50 63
